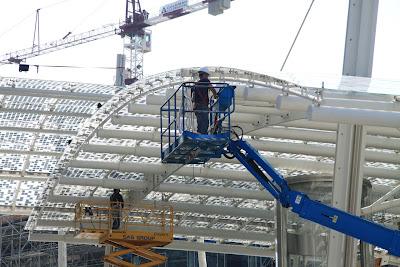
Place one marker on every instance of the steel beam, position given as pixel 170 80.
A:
pixel 19 211
pixel 355 116
pixel 240 110
pixel 135 120
pixel 386 205
pixel 260 145
pixel 46 112
pixel 20 177
pixel 37 130
pixel 154 152
pixel 327 126
pixel 67 94
pixel 213 173
pixel 31 152
pixel 272 132
pixel 217 173
pixel 204 190
pixel 295 103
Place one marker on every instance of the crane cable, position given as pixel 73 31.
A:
pixel 75 67
pixel 28 16
pixel 297 35
pixel 16 24
pixel 62 66
pixel 97 8
pixel 55 4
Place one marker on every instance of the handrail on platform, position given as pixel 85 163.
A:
pixel 179 112
pixel 97 217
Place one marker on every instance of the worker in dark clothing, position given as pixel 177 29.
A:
pixel 201 100
pixel 117 203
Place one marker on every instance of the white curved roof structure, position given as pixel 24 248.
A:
pixel 118 146
pixel 36 121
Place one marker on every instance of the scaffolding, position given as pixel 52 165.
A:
pixel 129 229
pixel 17 250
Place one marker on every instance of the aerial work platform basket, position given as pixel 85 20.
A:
pixel 140 228
pixel 180 141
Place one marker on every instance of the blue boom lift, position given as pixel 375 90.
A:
pixel 185 146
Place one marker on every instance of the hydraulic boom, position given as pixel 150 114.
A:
pixel 312 210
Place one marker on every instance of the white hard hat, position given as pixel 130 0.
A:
pixel 205 70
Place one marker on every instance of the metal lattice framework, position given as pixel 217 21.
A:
pixel 117 146
pixel 38 119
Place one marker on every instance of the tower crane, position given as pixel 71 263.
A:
pixel 133 30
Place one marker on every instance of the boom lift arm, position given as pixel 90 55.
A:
pixel 185 146
pixel 309 209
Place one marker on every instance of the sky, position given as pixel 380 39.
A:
pixel 253 34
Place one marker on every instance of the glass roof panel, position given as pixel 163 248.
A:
pixel 15 140
pixel 7 192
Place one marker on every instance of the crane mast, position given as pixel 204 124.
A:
pixel 135 45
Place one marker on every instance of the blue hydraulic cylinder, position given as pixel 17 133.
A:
pixel 312 210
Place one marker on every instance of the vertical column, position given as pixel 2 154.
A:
pixel 62 252
pixel 281 235
pixel 191 259
pixel 108 250
pixel 1 236
pixel 348 176
pixel 120 71
pixel 360 37
pixel 366 250
pixel 202 254
pixel 347 190
pixel 355 188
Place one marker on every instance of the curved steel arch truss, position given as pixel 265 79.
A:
pixel 91 144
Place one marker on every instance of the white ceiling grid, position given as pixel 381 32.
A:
pixel 37 119
pixel 118 146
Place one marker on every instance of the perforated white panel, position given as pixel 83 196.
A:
pixel 38 119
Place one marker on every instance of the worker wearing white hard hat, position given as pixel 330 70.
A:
pixel 201 100
pixel 204 70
